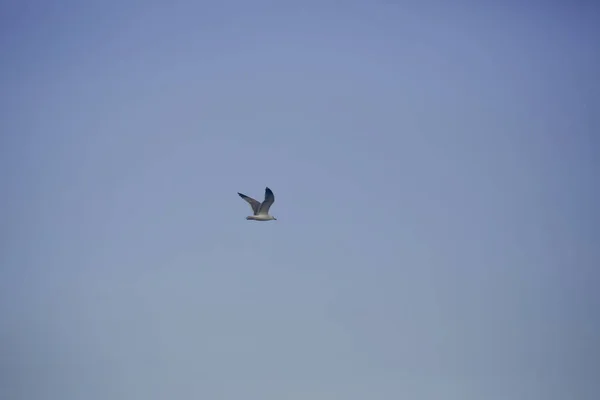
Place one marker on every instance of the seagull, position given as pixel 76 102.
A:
pixel 261 210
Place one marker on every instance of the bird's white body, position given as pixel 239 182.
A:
pixel 261 210
pixel 261 217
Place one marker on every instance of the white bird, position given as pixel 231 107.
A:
pixel 260 210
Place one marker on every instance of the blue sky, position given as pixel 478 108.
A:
pixel 435 171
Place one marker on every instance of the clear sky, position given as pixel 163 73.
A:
pixel 435 167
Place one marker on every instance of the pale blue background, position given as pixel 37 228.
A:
pixel 435 167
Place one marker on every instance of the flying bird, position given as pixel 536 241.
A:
pixel 260 210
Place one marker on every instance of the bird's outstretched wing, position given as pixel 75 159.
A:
pixel 253 203
pixel 266 204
